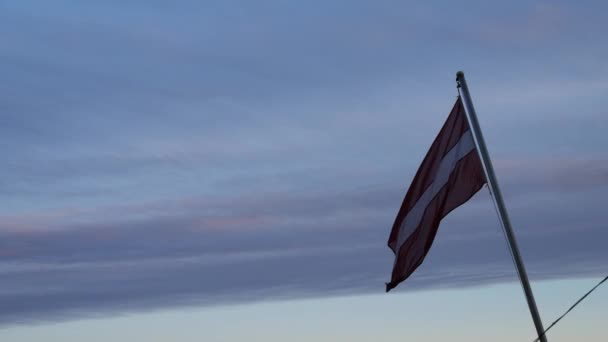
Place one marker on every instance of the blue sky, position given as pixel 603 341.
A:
pixel 169 156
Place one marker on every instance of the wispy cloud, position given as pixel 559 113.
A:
pixel 276 245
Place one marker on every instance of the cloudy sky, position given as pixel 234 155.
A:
pixel 183 164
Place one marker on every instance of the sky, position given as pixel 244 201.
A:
pixel 220 170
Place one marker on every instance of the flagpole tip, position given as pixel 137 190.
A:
pixel 459 74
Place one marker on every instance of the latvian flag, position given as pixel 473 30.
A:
pixel 450 174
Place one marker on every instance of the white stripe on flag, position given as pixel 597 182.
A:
pixel 446 166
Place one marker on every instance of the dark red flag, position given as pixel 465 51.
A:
pixel 450 174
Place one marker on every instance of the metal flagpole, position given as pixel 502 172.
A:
pixel 497 195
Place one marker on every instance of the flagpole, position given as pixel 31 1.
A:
pixel 502 211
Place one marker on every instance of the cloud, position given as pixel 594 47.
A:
pixel 291 245
pixel 164 154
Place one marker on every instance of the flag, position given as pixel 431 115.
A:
pixel 450 174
